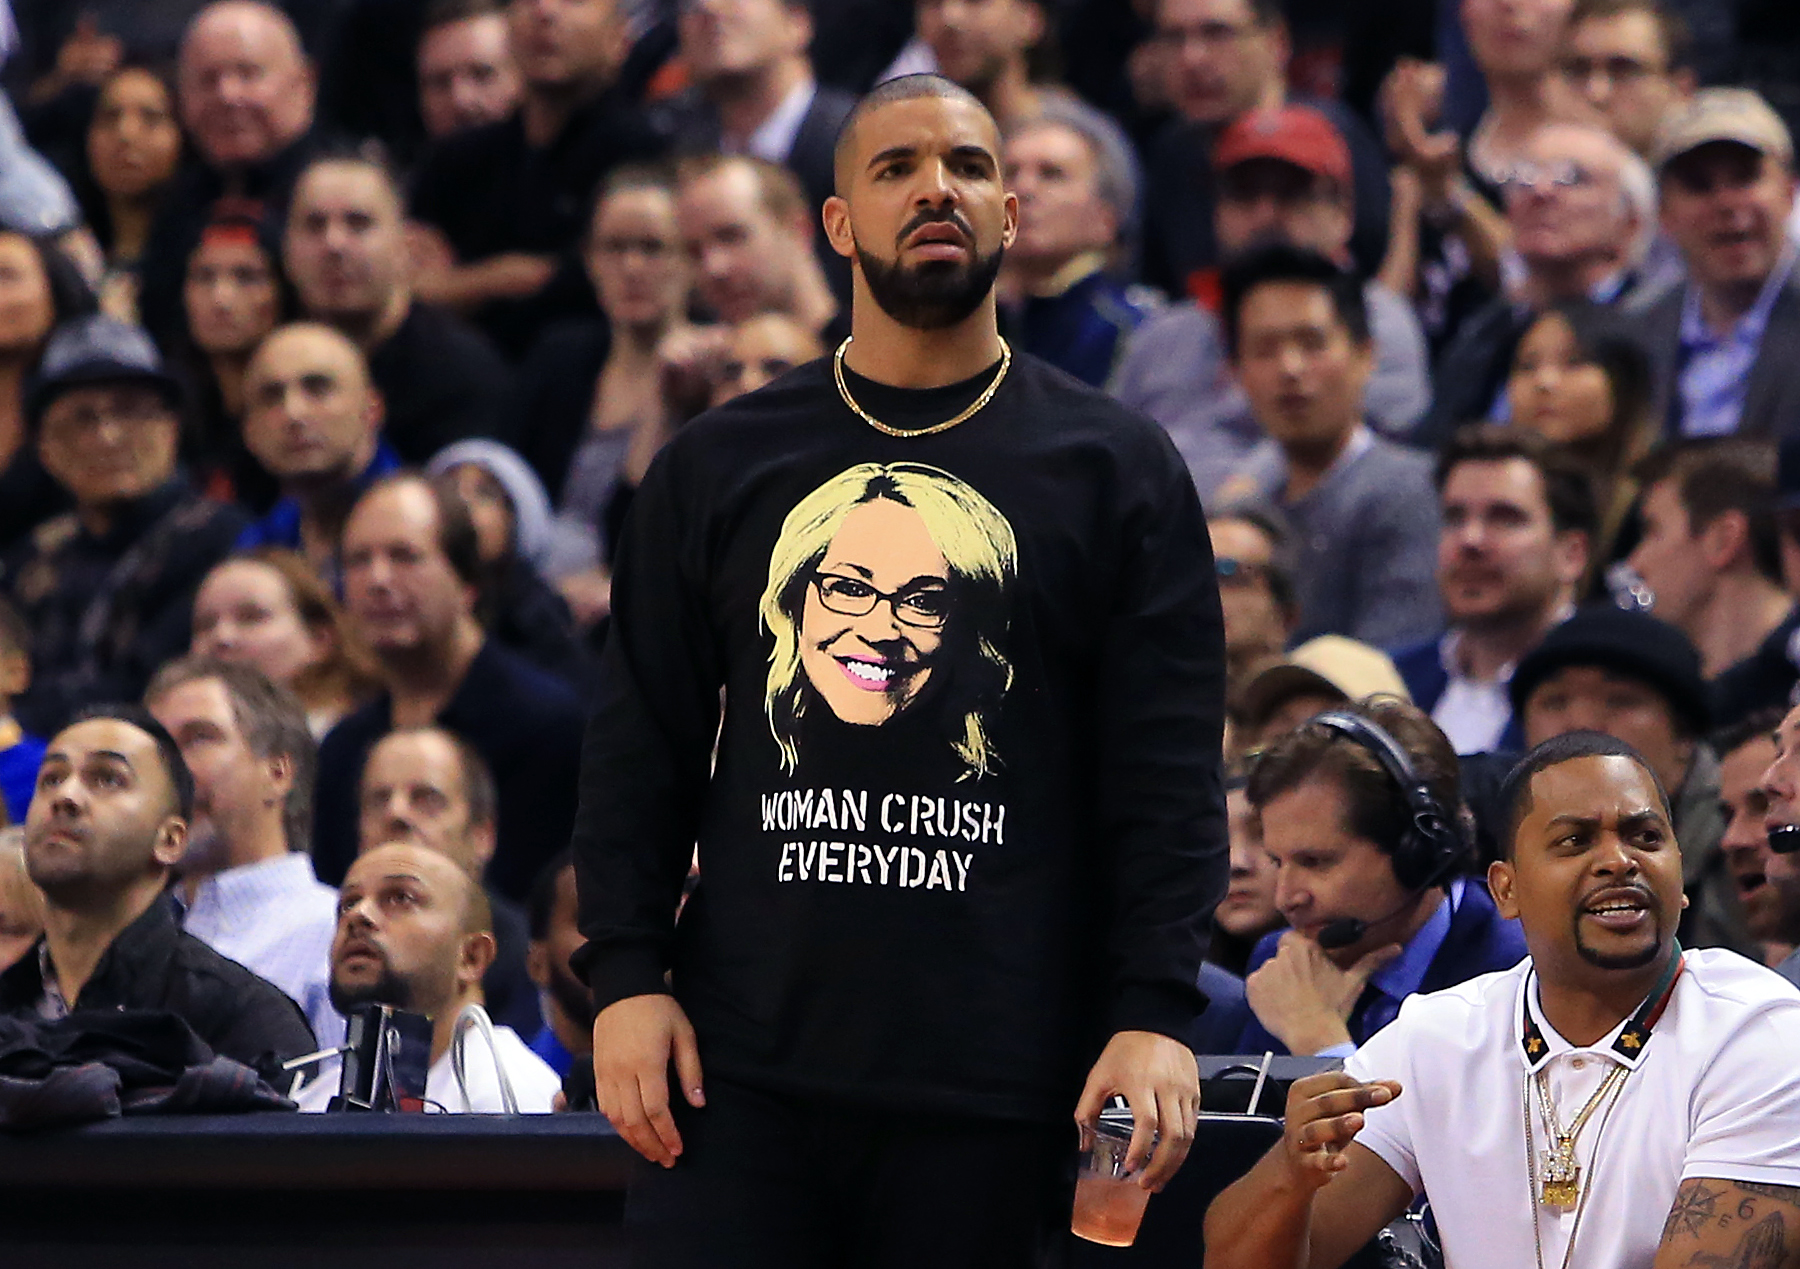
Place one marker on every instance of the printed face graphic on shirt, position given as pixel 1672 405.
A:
pixel 886 591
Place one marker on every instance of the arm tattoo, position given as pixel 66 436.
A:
pixel 1763 1246
pixel 1693 1210
pixel 1780 1193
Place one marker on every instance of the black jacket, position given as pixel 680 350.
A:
pixel 155 964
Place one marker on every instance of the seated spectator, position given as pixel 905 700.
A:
pixel 1227 58
pixel 411 572
pixel 1320 674
pixel 247 885
pixel 1518 528
pixel 1770 899
pixel 39 291
pixel 749 235
pixel 20 751
pixel 314 421
pixel 1350 861
pixel 108 588
pixel 503 205
pixel 21 904
pixel 424 786
pixel 132 152
pixel 1629 60
pixel 233 297
pixel 1727 159
pixel 1581 207
pixel 106 828
pixel 753 90
pixel 440 380
pixel 1781 790
pixel 514 530
pixel 1282 176
pixel 1248 911
pixel 413 932
pixel 246 93
pixel 1363 509
pixel 568 1005
pixel 1060 299
pixel 589 412
pixel 1581 379
pixel 1253 555
pixel 269 610
pixel 466 73
pixel 1711 553
pixel 1638 679
pixel 760 351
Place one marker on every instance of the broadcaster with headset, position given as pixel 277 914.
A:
pixel 1363 817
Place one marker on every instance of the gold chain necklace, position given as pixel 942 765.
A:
pixel 1584 1191
pixel 837 367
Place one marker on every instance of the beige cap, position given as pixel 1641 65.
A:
pixel 1329 665
pixel 1722 114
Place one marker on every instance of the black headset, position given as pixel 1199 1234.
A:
pixel 1432 843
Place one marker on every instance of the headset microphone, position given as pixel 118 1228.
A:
pixel 1784 839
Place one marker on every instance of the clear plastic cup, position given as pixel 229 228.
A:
pixel 1109 1203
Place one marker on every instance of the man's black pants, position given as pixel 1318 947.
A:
pixel 768 1181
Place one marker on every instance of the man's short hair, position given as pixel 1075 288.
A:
pixel 1264 12
pixel 1567 488
pixel 456 536
pixel 1376 808
pixel 1279 262
pixel 1114 180
pixel 369 153
pixel 1515 790
pixel 1716 474
pixel 1284 553
pixel 449 12
pixel 1677 37
pixel 1759 723
pixel 273 722
pixel 900 88
pixel 181 780
pixel 540 904
pixel 777 188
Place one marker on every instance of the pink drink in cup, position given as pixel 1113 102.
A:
pixel 1109 1203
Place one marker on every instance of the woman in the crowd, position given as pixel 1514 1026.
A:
pixel 39 290
pixel 516 535
pixel 269 609
pixel 1581 379
pixel 233 294
pixel 590 407
pixel 132 151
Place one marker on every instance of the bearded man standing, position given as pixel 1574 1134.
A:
pixel 965 830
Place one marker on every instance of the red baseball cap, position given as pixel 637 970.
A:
pixel 1293 134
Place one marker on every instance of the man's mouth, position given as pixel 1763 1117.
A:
pixel 360 950
pixel 1619 909
pixel 939 240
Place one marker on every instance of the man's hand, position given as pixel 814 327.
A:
pixel 1161 1083
pixel 1303 999
pixel 635 1040
pixel 1324 1113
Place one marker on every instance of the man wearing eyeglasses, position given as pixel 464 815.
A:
pixel 1629 60
pixel 107 588
pixel 1582 210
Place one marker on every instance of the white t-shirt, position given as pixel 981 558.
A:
pixel 1714 1093
pixel 534 1083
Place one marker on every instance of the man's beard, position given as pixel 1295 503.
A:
pixel 389 989
pixel 934 295
pixel 1631 960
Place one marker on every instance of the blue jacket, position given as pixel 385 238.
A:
pixel 1421 667
pixel 1479 941
pixel 1081 331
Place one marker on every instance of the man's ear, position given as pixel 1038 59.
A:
pixel 1010 230
pixel 474 957
pixel 171 841
pixel 1500 878
pixel 281 774
pixel 1722 541
pixel 836 217
pixel 482 837
pixel 1573 550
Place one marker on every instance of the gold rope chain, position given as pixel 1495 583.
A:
pixel 885 429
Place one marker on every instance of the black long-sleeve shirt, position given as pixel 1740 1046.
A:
pixel 948 845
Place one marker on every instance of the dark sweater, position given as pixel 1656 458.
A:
pixel 883 916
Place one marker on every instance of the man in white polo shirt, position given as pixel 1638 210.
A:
pixel 1609 1102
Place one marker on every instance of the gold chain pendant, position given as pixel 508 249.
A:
pixel 1561 1187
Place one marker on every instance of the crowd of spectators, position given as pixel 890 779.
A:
pixel 335 336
